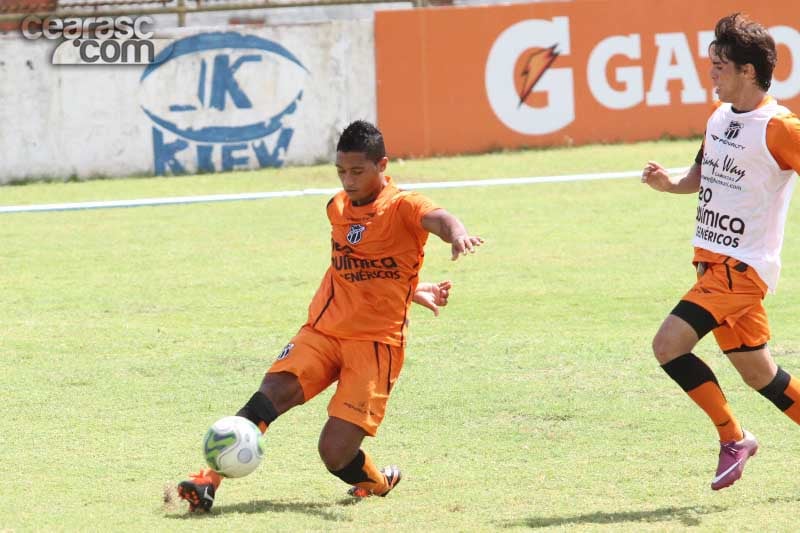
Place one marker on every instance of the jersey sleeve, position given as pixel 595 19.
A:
pixel 783 141
pixel 413 207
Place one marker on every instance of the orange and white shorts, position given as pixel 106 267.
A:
pixel 728 298
pixel 366 372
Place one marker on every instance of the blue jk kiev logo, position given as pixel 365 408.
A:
pixel 222 101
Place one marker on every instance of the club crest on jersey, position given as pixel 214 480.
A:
pixel 733 129
pixel 356 233
pixel 285 352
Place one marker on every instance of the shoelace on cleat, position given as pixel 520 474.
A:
pixel 729 448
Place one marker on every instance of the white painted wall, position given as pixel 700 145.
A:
pixel 62 121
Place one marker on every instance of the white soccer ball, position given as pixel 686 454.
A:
pixel 233 446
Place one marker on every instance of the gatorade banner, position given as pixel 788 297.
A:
pixel 473 79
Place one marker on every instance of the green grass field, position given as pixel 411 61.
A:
pixel 532 402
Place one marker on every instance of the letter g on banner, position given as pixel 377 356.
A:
pixel 503 90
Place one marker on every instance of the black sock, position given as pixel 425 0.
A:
pixel 776 390
pixel 689 371
pixel 259 410
pixel 354 472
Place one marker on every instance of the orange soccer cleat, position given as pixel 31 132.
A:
pixel 199 490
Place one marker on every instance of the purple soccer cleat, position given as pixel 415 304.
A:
pixel 732 457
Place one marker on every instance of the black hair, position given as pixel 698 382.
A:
pixel 361 136
pixel 742 40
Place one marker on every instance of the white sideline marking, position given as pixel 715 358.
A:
pixel 209 198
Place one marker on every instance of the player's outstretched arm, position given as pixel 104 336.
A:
pixel 656 177
pixel 451 230
pixel 432 295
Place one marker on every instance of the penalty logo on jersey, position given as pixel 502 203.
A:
pixel 356 233
pixel 733 130
pixel 285 352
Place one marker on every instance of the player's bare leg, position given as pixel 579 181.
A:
pixel 283 390
pixel 340 450
pixel 674 338
pixel 756 367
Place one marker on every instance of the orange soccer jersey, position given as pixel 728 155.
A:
pixel 376 255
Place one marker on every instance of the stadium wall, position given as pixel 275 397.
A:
pixel 230 100
pixel 437 81
pixel 456 80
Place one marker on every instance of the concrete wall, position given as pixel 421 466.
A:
pixel 204 106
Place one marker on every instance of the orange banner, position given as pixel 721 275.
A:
pixel 472 79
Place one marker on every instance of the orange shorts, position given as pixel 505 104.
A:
pixel 733 293
pixel 366 372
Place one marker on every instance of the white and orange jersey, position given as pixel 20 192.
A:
pixel 376 256
pixel 748 174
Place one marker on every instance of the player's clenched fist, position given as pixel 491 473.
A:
pixel 656 177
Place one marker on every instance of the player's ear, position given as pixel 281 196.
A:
pixel 749 71
pixel 382 162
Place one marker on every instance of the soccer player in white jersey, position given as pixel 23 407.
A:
pixel 745 175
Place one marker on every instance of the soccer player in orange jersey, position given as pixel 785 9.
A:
pixel 357 321
pixel 745 175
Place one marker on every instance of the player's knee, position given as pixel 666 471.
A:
pixel 283 389
pixel 332 454
pixel 665 348
pixel 755 378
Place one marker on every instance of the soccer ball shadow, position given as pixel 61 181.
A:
pixel 324 510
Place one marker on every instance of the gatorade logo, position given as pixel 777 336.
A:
pixel 534 44
pixel 531 94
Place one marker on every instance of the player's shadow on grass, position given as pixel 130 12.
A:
pixel 326 510
pixel 688 516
